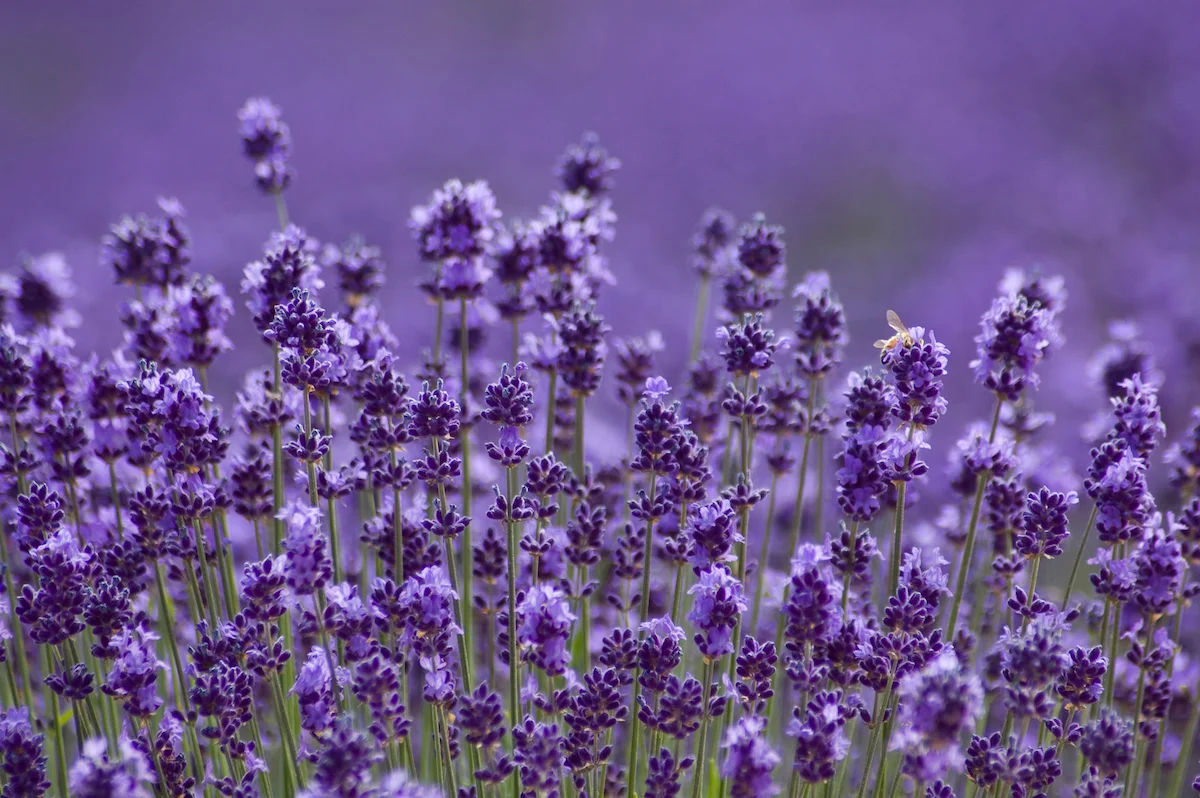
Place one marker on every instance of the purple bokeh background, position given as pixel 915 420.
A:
pixel 914 151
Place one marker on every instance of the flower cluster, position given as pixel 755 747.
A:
pixel 513 579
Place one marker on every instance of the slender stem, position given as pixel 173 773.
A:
pixel 702 741
pixel 514 664
pixel 1189 736
pixel 969 548
pixel 468 551
pixel 763 553
pixel 644 607
pixel 643 615
pixel 55 721
pixel 701 315
pixel 277 462
pixel 880 704
pixel 798 512
pixel 335 549
pixel 1087 530
pixel 180 685
pixel 281 209
pixel 1134 772
pixel 1112 652
pixel 550 411
pixel 897 539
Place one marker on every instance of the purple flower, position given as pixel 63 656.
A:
pixel 96 775
pixel 1043 525
pixel 820 737
pixel 587 167
pixel 1161 570
pixel 289 263
pixel 544 626
pixel 264 133
pixel 715 610
pixel 1184 458
pixel 1123 357
pixel 399 784
pixel 917 370
pixel 1117 481
pixel 581 331
pixel 749 759
pixel 458 223
pixel 537 750
pixel 1015 337
pixel 1081 683
pixel 1139 421
pixel 937 704
pixel 749 347
pixel 820 326
pixel 760 248
pixel 21 756
pixel 426 610
pixel 148 251
pixel 664 775
pixel 713 243
pixel 314 692
pixel 134 673
pixel 1038 290
pixel 863 476
pixel 308 565
pixel 1107 743
pixel 713 529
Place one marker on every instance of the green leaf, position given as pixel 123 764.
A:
pixel 714 780
pixel 65 718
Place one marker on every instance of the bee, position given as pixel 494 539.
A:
pixel 902 334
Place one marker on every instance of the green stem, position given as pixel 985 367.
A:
pixel 969 548
pixel 281 210
pixel 1185 752
pixel 702 741
pixel 1087 530
pixel 468 551
pixel 1133 774
pixel 763 553
pixel 701 315
pixel 334 547
pixel 277 462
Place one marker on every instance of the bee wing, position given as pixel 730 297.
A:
pixel 893 320
pixel 881 344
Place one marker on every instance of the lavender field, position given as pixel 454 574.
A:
pixel 564 400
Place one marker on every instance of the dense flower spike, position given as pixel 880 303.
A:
pixel 1016 336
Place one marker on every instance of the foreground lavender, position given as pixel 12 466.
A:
pixel 365 584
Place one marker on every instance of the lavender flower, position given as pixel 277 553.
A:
pixel 1015 337
pixel 1139 421
pixel 820 326
pixel 587 168
pixel 308 566
pixel 95 775
pixel 715 610
pixel 134 673
pixel 713 243
pixel 21 756
pixel 457 223
pixel 267 141
pixel 749 759
pixel 1043 525
pixel 544 627
pixel 937 704
pixel 917 371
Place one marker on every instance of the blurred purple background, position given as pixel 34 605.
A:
pixel 914 151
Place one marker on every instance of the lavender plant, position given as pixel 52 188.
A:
pixel 362 589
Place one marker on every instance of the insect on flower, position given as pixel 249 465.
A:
pixel 902 333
